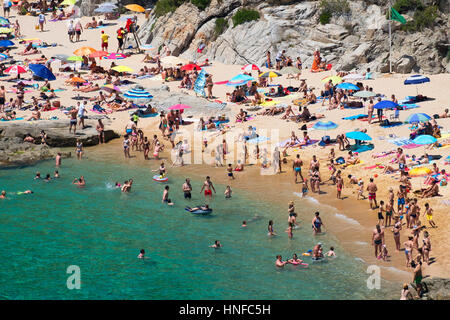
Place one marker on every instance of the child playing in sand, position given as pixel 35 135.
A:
pixel 383 253
pixel 361 190
pixel 429 215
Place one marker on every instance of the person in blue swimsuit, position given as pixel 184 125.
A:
pixel 317 224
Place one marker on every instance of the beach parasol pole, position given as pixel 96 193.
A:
pixel 390 38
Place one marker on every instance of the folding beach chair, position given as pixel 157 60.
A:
pixel 396 115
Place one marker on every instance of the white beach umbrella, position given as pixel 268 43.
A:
pixel 353 76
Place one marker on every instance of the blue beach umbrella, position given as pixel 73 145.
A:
pixel 6 43
pixel 347 86
pixel 241 77
pixel 416 79
pixel 236 84
pixel 3 56
pixel 358 135
pixel 386 104
pixel 4 22
pixel 258 140
pixel 424 139
pixel 325 125
pixel 42 71
pixel 418 117
pixel 138 93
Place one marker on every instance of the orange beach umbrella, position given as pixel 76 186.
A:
pixel 135 8
pixel 76 80
pixel 84 51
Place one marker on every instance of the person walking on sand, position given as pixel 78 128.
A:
pixel 104 39
pixel 120 34
pixel 408 250
pixel 71 30
pixel 78 30
pixel 426 248
pixel 207 186
pixel 396 231
pixel 42 21
pixel 73 120
pixel 429 215
pixel 209 85
pixel 81 116
pixel 372 189
pixel 378 239
pixel 297 167
pixel 7 8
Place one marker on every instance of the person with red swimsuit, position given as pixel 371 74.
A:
pixel 207 186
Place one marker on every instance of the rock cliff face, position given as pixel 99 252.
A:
pixel 357 39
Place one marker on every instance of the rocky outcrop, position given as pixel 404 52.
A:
pixel 14 151
pixel 434 289
pixel 355 40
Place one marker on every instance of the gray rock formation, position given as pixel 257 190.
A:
pixel 435 289
pixel 14 151
pixel 358 39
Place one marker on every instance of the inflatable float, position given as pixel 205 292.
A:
pixel 199 212
pixel 159 178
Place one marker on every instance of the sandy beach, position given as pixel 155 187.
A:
pixel 349 220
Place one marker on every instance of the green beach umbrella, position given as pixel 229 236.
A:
pixel 68 2
pixel 75 58
pixel 290 70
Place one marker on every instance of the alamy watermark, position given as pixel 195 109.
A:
pixel 74 280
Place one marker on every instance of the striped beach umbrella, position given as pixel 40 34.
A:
pixel 250 67
pixel 16 69
pixel 418 117
pixel 269 74
pixel 4 30
pixel 416 79
pixel 325 125
pixel 138 93
pixel 115 56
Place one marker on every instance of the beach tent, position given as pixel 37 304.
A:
pixel 325 125
pixel 42 71
pixel 358 135
pixel 424 139
pixel 418 117
pixel 347 86
pixel 386 104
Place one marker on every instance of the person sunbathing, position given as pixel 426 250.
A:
pixel 8 116
pixel 289 113
pixel 29 50
pixel 311 97
pixel 35 115
pixel 257 100
pixel 93 24
pixel 241 116
pixel 89 88
pixel 431 191
pixel 292 143
pixel 351 158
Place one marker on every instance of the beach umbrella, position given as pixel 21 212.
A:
pixel 179 107
pixel 416 79
pixel 353 76
pixel 42 71
pixel 122 69
pixel 74 58
pixel 16 69
pixel 334 79
pixel 105 9
pixel 419 172
pixel 418 117
pixel 269 103
pixel 111 88
pixel 98 54
pixel 125 18
pixel 4 30
pixel 250 67
pixel 325 125
pixel 146 47
pixel 68 2
pixel 364 94
pixel 4 22
pixel 62 57
pixel 6 43
pixel 173 60
pixel 236 84
pixel 135 8
pixel 84 51
pixel 386 104
pixel 115 56
pixel 3 56
pixel 76 80
pixel 190 66
pixel 358 135
pixel 269 74
pixel 108 4
pixel 32 40
pixel 241 77
pixel 138 93
pixel 425 139
pixel 290 70
pixel 347 86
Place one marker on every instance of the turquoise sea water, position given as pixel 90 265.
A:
pixel 102 230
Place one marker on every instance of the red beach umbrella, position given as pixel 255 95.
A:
pixel 250 67
pixel 16 69
pixel 190 66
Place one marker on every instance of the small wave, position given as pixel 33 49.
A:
pixel 347 219
pixel 395 270
pixel 362 243
pixel 359 259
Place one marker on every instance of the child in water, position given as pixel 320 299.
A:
pixel 304 188
pixel 141 254
pixel 216 244
pixel 228 192
pixel 331 253
pixel 244 224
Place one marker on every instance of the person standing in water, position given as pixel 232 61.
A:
pixel 79 149
pixel 207 186
pixel 187 189
pixel 372 189
pixel 378 239
pixel 279 262
pixel 58 159
pixel 228 192
pixel 165 197
pixel 317 223
pixel 126 146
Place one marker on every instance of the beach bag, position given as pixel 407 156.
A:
pixel 340 160
pixel 36 27
pixel 326 139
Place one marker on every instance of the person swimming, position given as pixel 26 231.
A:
pixel 331 253
pixel 279 262
pixel 216 245
pixel 141 254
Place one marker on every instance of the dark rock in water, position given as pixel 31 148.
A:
pixel 14 151
pixel 434 289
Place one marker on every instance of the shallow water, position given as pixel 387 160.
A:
pixel 102 230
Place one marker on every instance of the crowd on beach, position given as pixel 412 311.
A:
pixel 406 213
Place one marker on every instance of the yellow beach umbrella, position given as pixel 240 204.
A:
pixel 68 2
pixel 135 8
pixel 269 103
pixel 122 69
pixel 421 171
pixel 84 51
pixel 334 79
pixel 269 74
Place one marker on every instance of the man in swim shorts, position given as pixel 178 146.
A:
pixel 377 239
pixel 187 188
pixel 297 167
pixel 73 120
pixel 372 189
pixel 207 186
